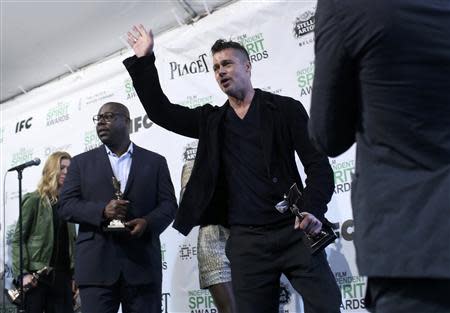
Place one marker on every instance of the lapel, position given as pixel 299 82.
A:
pixel 214 127
pixel 104 167
pixel 136 162
pixel 266 114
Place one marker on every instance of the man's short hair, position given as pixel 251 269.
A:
pixel 121 108
pixel 222 44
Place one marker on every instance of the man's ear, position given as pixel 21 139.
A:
pixel 248 66
pixel 130 125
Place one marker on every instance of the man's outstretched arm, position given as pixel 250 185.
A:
pixel 144 74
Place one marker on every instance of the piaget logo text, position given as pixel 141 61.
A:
pixel 254 45
pixel 58 113
pixel 305 77
pixel 197 66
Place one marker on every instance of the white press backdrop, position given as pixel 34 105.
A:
pixel 58 116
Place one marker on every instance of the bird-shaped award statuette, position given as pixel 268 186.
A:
pixel 116 225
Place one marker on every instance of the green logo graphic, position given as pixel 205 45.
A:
pixel 91 140
pixel 195 101
pixel 343 172
pixel 201 301
pixel 305 78
pixel 22 156
pixel 129 89
pixel 254 44
pixel 58 113
pixel 352 290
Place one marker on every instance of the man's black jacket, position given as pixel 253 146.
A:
pixel 284 128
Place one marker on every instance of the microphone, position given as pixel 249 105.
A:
pixel 20 167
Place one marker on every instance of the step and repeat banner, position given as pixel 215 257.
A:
pixel 58 116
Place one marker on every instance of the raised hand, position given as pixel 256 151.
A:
pixel 140 40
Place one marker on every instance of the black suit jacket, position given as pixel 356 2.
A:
pixel 383 80
pixel 284 122
pixel 101 257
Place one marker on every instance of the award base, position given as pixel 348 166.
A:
pixel 116 226
pixel 318 242
pixel 13 296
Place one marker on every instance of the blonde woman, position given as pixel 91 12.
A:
pixel 48 241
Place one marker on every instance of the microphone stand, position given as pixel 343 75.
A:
pixel 19 169
pixel 21 308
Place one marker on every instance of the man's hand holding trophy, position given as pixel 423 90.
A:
pixel 317 242
pixel 116 210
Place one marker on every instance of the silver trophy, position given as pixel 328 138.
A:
pixel 316 242
pixel 116 225
pixel 14 295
